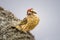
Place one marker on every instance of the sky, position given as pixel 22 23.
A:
pixel 48 12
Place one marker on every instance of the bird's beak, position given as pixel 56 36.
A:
pixel 33 11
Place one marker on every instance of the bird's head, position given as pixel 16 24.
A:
pixel 30 11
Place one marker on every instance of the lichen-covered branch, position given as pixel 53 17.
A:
pixel 7 32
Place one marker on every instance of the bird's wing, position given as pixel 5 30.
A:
pixel 23 22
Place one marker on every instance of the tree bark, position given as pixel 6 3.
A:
pixel 7 27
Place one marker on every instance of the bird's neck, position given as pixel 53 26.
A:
pixel 32 15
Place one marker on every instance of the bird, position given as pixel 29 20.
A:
pixel 29 22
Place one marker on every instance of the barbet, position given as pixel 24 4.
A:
pixel 29 22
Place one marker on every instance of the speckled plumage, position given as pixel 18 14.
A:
pixel 30 22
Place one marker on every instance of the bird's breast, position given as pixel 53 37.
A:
pixel 32 21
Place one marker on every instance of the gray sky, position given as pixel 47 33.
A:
pixel 48 11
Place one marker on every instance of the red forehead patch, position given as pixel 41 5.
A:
pixel 30 9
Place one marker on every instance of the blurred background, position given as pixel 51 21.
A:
pixel 48 11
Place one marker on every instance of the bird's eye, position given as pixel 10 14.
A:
pixel 28 13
